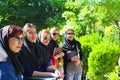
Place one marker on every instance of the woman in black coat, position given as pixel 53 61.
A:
pixel 32 55
pixel 43 40
pixel 73 57
pixel 54 47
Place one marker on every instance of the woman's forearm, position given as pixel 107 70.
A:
pixel 38 73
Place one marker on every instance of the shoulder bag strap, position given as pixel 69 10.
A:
pixel 78 51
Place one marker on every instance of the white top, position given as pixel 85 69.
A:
pixel 3 54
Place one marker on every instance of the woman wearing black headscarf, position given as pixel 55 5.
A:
pixel 11 39
pixel 33 56
pixel 43 40
pixel 55 50
pixel 73 57
pixel 54 32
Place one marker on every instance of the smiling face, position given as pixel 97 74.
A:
pixel 15 43
pixel 55 35
pixel 31 34
pixel 45 37
pixel 70 35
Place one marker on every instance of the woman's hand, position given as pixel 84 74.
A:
pixel 77 62
pixel 54 75
pixel 74 58
pixel 58 74
pixel 61 54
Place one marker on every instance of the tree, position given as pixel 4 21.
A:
pixel 34 11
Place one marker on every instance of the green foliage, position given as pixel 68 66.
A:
pixel 40 12
pixel 107 11
pixel 19 12
pixel 56 9
pixel 111 33
pixel 79 17
pixel 89 16
pixel 69 15
pixel 102 60
pixel 72 6
pixel 87 42
pixel 92 41
pixel 114 75
pixel 57 3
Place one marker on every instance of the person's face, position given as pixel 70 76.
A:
pixel 70 35
pixel 45 39
pixel 31 34
pixel 55 35
pixel 15 43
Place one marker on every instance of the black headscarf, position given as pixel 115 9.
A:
pixel 69 45
pixel 12 57
pixel 32 53
pixel 45 50
pixel 52 45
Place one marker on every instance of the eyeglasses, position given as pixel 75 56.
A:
pixel 55 33
pixel 70 33
pixel 46 38
pixel 18 39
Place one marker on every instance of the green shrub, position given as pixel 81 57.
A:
pixel 114 75
pixel 87 42
pixel 102 60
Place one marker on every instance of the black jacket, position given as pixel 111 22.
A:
pixel 52 45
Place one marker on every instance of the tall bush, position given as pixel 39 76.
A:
pixel 87 42
pixel 102 60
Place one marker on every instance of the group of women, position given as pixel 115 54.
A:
pixel 26 54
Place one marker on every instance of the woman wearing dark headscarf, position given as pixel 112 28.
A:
pixel 11 39
pixel 73 57
pixel 32 54
pixel 43 40
pixel 55 50
pixel 54 32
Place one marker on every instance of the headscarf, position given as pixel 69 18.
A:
pixel 69 45
pixel 52 45
pixel 32 53
pixel 44 48
pixel 72 45
pixel 11 56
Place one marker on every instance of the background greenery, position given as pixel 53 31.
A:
pixel 96 24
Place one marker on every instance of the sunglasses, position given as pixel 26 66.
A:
pixel 18 39
pixel 46 38
pixel 55 33
pixel 70 33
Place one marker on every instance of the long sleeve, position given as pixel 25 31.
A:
pixel 7 72
pixel 28 70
